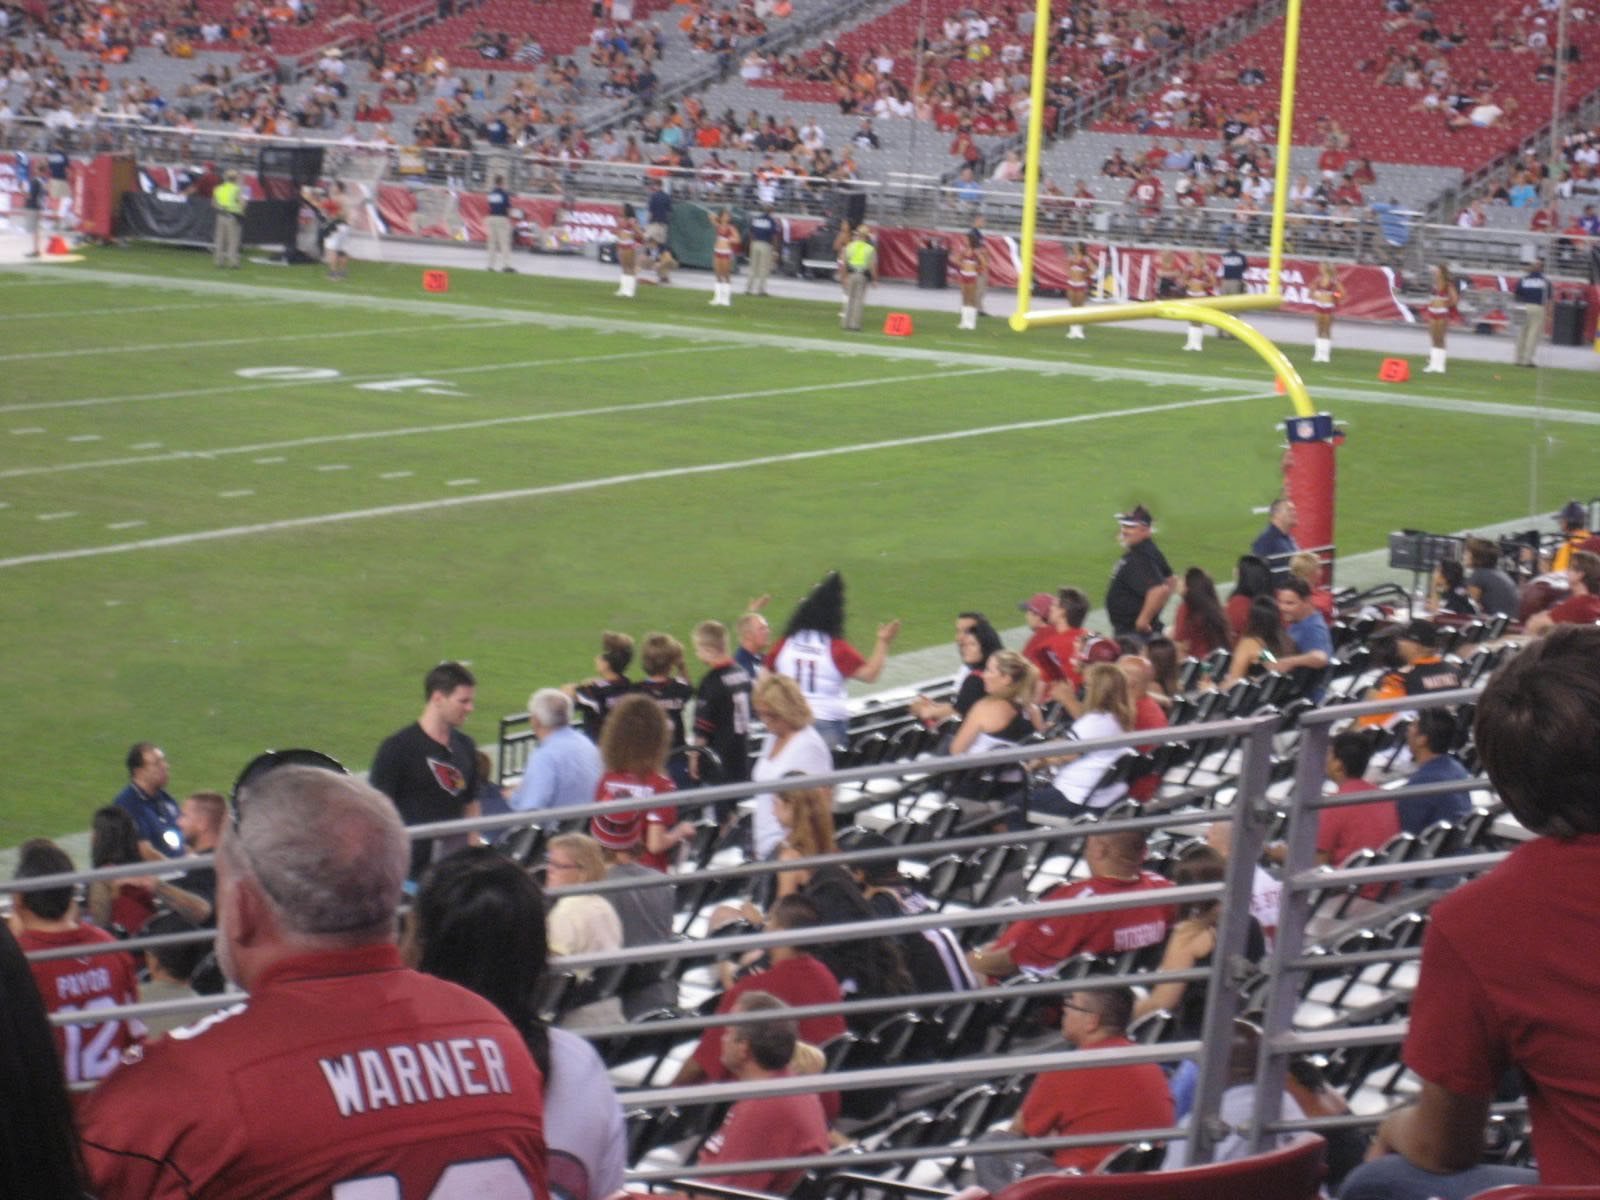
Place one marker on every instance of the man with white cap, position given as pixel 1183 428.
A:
pixel 1142 581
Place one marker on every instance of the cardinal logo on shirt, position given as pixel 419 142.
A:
pixel 448 776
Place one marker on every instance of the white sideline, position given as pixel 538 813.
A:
pixel 484 423
pixel 237 386
pixel 585 485
pixel 70 314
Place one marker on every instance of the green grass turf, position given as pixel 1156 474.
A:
pixel 320 634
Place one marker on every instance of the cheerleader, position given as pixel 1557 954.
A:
pixel 1080 270
pixel 967 272
pixel 727 241
pixel 1325 296
pixel 1198 281
pixel 1441 302
pixel 628 253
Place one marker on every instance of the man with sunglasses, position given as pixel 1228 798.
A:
pixel 344 1072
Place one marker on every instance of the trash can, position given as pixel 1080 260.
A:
pixel 933 266
pixel 1566 329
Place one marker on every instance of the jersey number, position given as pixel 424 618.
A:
pixel 806 676
pixel 741 713
pixel 487 1179
pixel 91 1052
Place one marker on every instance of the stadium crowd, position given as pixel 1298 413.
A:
pixel 310 865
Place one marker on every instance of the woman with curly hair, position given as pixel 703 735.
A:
pixel 813 652
pixel 633 750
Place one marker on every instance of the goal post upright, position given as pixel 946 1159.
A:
pixel 1212 310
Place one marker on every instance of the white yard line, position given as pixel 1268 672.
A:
pixel 861 346
pixel 586 485
pixel 486 423
pixel 238 387
pixel 323 335
pixel 73 314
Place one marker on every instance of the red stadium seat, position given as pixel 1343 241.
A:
pixel 1292 1173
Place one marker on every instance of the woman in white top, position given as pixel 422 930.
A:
pixel 1108 709
pixel 792 747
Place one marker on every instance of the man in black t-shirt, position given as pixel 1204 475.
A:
pixel 430 768
pixel 721 704
pixel 1141 582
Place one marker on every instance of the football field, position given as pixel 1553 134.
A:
pixel 250 509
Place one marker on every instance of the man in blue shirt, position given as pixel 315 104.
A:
pixel 1429 739
pixel 566 768
pixel 763 249
pixel 1275 544
pixel 497 227
pixel 1534 293
pixel 1313 643
pixel 155 814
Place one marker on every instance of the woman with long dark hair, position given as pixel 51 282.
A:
pixel 120 906
pixel 39 1155
pixel 976 640
pixel 1251 578
pixel 813 652
pixel 479 921
pixel 1262 641
pixel 1202 625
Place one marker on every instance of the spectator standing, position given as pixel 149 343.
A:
pixel 1083 1101
pixel 755 635
pixel 310 880
pixel 633 749
pixel 430 768
pixel 154 812
pixel 48 919
pixel 1474 1014
pixel 1141 582
pixel 766 1126
pixel 764 240
pixel 1429 739
pixel 1275 545
pixel 721 707
pixel 596 698
pixel 497 226
pixel 813 652
pixel 565 769
pixel 1534 293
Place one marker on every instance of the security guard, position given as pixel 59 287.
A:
pixel 227 202
pixel 861 263
pixel 499 226
pixel 763 248
pixel 1533 293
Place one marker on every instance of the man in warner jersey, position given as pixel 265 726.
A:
pixel 345 1074
pixel 47 919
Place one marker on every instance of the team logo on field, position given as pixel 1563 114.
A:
pixel 448 776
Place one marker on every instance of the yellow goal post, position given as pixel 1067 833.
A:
pixel 1210 310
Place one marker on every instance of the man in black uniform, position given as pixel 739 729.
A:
pixel 430 769
pixel 763 249
pixel 1141 582
pixel 658 211
pixel 498 226
pixel 1533 294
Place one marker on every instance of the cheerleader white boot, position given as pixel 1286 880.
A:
pixel 727 295
pixel 1195 339
pixel 1075 333
pixel 969 317
pixel 1435 362
pixel 1323 351
pixel 628 287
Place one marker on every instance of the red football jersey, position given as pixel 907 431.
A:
pixel 345 1075
pixel 69 985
